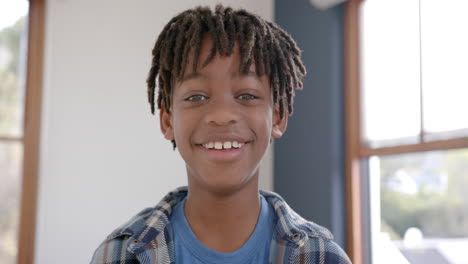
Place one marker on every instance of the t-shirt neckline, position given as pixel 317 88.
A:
pixel 261 235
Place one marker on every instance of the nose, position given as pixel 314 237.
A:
pixel 222 111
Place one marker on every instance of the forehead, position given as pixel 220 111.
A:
pixel 220 67
pixel 233 61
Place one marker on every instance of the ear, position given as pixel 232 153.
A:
pixel 165 120
pixel 279 124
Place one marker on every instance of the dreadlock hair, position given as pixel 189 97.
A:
pixel 274 51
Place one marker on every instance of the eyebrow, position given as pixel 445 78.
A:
pixel 197 75
pixel 248 74
pixel 193 75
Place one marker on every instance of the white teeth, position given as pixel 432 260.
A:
pixel 227 145
pixel 221 145
pixel 209 145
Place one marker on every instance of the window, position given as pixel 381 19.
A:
pixel 407 142
pixel 419 207
pixel 21 43
pixel 13 48
pixel 413 80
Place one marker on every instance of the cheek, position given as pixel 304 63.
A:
pixel 181 123
pixel 263 122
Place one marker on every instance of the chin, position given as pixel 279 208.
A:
pixel 226 184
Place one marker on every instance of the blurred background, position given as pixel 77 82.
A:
pixel 376 151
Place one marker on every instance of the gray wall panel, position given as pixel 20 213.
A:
pixel 309 159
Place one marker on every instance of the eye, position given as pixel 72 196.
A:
pixel 196 98
pixel 247 97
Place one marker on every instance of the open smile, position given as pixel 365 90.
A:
pixel 223 151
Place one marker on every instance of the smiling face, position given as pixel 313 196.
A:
pixel 222 121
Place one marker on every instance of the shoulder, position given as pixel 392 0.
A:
pixel 114 248
pixel 321 250
pixel 147 229
pixel 290 225
pixel 113 251
pixel 300 240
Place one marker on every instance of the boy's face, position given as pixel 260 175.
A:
pixel 217 105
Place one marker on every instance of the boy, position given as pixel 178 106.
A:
pixel 226 83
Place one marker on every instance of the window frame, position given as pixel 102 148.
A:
pixel 356 151
pixel 32 128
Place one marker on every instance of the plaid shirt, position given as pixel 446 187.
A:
pixel 148 238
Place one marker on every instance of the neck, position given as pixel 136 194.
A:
pixel 223 221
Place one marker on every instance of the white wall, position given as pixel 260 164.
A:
pixel 103 157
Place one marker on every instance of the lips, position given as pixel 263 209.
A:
pixel 223 147
pixel 225 141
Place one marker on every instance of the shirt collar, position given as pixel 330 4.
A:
pixel 150 223
pixel 291 226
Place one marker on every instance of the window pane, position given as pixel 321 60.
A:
pixel 390 71
pixel 13 43
pixel 11 157
pixel 423 211
pixel 445 61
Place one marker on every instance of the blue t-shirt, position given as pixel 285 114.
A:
pixel 188 249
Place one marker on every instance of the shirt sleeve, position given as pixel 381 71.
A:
pixel 335 254
pixel 320 251
pixel 113 251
